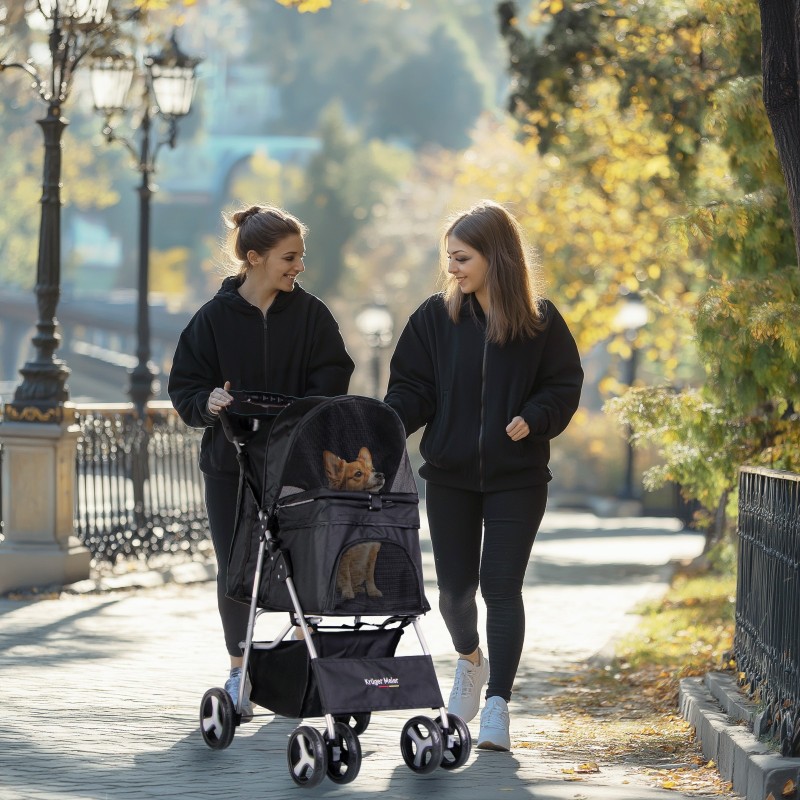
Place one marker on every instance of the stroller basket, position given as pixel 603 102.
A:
pixel 356 671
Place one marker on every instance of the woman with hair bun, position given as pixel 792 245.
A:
pixel 261 332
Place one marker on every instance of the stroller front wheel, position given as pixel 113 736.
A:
pixel 421 745
pixel 307 756
pixel 344 753
pixel 456 742
pixel 217 719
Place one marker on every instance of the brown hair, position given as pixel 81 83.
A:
pixel 512 276
pixel 258 228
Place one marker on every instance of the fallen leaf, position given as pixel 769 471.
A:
pixel 589 766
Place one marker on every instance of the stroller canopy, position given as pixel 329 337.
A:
pixel 305 430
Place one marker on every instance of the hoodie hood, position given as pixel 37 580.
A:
pixel 229 293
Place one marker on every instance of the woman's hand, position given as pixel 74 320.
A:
pixel 219 398
pixel 517 429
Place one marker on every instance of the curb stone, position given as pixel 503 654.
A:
pixel 723 718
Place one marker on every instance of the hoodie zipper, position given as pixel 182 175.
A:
pixel 267 388
pixel 480 430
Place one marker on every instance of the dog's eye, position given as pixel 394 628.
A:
pixel 359 474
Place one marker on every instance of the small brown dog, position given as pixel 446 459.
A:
pixel 357 565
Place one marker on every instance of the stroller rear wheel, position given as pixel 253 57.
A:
pixel 456 742
pixel 344 753
pixel 217 719
pixel 421 745
pixel 307 756
pixel 357 722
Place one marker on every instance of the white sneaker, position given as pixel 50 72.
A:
pixel 495 721
pixel 465 697
pixel 232 688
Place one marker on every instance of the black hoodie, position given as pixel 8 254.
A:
pixel 295 349
pixel 466 390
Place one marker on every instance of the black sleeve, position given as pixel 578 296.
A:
pixel 412 378
pixel 558 382
pixel 330 366
pixel 194 373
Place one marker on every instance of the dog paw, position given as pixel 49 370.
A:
pixel 374 591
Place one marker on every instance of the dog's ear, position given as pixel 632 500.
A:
pixel 365 456
pixel 334 468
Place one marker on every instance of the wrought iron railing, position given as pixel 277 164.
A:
pixel 139 491
pixel 767 639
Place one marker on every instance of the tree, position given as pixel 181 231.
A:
pixel 780 54
pixel 691 68
pixel 342 184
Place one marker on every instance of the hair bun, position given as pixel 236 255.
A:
pixel 240 217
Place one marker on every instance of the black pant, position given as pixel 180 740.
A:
pixel 221 498
pixel 466 557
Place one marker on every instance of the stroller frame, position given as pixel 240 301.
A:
pixel 425 743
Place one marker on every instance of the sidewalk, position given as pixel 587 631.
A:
pixel 101 690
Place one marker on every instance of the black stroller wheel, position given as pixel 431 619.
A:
pixel 217 719
pixel 357 722
pixel 421 745
pixel 456 742
pixel 344 753
pixel 307 756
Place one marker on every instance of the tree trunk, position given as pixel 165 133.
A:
pixel 780 61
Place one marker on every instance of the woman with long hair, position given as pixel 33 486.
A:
pixel 490 369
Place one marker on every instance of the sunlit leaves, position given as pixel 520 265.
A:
pixel 306 6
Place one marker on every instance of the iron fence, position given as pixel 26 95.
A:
pixel 138 486
pixel 767 638
pixel 139 490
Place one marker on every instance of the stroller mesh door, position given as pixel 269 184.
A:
pixel 329 540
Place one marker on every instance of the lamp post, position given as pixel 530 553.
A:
pixel 167 82
pixel 38 465
pixel 375 324
pixel 631 316
pixel 74 28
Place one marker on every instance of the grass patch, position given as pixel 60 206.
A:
pixel 626 711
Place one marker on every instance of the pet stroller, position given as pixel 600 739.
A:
pixel 303 547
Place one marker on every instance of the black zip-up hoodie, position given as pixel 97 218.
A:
pixel 294 349
pixel 466 390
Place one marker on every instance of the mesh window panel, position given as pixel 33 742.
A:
pixel 344 426
pixel 375 577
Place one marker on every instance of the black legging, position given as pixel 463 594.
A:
pixel 221 497
pixel 496 561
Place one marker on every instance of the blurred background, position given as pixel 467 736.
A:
pixel 372 121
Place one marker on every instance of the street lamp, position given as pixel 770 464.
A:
pixel 375 324
pixel 632 316
pixel 167 82
pixel 74 30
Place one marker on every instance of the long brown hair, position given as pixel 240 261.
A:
pixel 512 276
pixel 258 228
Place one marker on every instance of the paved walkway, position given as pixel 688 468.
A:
pixel 101 691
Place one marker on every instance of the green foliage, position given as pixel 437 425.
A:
pixel 691 67
pixel 401 72
pixel 342 184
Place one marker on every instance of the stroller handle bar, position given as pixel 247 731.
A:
pixel 248 408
